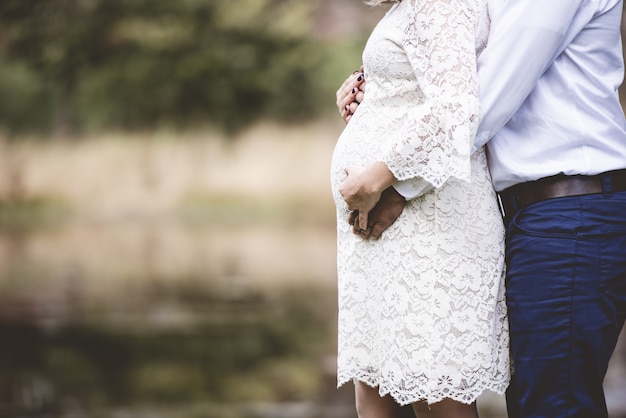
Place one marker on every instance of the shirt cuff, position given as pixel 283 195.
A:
pixel 412 188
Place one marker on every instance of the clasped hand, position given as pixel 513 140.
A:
pixel 375 204
pixel 359 194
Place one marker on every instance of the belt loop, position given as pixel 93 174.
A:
pixel 509 203
pixel 501 205
pixel 607 184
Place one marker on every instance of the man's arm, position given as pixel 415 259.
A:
pixel 525 38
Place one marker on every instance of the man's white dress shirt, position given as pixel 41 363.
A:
pixel 548 90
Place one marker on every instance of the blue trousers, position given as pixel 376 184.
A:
pixel 566 294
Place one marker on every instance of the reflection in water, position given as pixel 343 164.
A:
pixel 176 320
pixel 200 320
pixel 223 352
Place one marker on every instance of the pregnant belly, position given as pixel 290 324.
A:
pixel 361 143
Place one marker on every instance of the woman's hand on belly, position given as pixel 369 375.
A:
pixel 362 188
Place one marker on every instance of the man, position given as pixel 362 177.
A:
pixel 556 141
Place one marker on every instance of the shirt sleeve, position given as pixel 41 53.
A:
pixel 434 143
pixel 524 40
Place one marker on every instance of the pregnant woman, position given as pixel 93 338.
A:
pixel 422 315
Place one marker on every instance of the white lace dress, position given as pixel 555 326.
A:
pixel 422 314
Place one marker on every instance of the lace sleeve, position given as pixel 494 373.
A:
pixel 436 140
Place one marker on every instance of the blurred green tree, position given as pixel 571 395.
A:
pixel 143 64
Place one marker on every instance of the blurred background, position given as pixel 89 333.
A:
pixel 167 243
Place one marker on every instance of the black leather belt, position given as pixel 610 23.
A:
pixel 524 194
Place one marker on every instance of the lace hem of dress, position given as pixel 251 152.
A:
pixel 445 390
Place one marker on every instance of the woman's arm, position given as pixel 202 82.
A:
pixel 435 140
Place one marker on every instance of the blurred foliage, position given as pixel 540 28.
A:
pixel 71 65
pixel 19 214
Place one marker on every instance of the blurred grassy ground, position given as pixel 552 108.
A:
pixel 172 174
